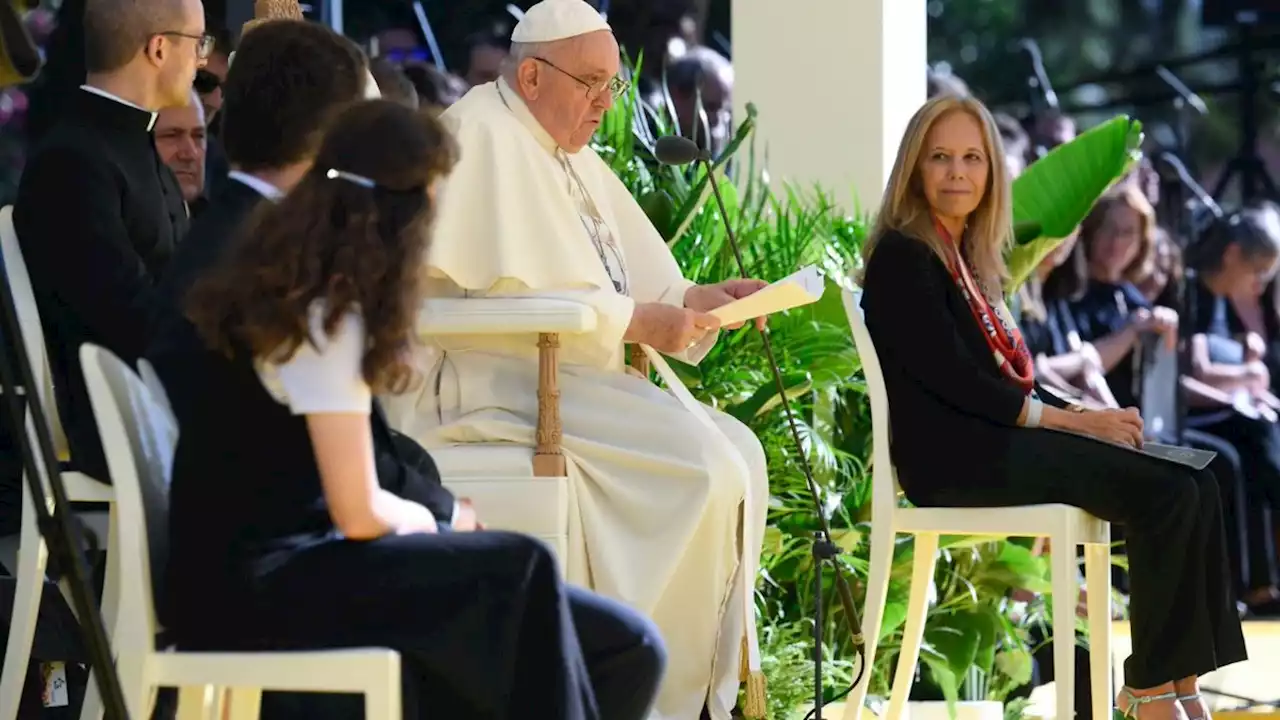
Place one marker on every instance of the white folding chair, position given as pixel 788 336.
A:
pixel 1065 526
pixel 31 553
pixel 139 435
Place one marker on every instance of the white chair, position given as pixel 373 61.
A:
pixel 31 553
pixel 1065 526
pixel 139 435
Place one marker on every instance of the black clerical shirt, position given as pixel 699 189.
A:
pixel 98 214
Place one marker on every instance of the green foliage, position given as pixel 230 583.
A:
pixel 1055 193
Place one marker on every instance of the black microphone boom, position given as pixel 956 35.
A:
pixel 676 150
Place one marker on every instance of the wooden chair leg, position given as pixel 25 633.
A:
pixel 548 458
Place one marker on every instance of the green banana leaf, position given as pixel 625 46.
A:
pixel 1057 191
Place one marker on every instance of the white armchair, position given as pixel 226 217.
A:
pixel 514 487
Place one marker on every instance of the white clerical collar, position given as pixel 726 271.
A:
pixel 111 96
pixel 264 188
pixel 515 103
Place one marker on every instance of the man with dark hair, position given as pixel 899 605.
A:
pixel 98 214
pixel 288 79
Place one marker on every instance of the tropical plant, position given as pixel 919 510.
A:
pixel 976 646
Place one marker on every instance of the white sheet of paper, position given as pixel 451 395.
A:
pixel 802 287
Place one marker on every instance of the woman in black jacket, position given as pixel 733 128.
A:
pixel 970 429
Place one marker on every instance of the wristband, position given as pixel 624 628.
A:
pixel 1034 410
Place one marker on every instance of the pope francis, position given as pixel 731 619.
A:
pixel 669 496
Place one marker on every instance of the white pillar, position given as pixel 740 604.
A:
pixel 836 82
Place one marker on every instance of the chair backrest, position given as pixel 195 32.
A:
pixel 151 379
pixel 24 301
pixel 139 436
pixel 884 479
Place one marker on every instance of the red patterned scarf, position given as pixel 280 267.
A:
pixel 1003 337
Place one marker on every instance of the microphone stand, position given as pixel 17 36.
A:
pixel 58 527
pixel 824 551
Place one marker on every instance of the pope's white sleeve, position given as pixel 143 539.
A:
pixel 613 311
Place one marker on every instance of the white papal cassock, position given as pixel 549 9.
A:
pixel 668 497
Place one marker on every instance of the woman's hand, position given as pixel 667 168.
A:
pixel 1123 427
pixel 1162 321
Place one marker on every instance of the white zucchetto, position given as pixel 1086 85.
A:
pixel 552 20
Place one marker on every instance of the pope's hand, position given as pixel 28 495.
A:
pixel 464 517
pixel 705 298
pixel 668 328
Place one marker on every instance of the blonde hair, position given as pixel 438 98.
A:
pixel 904 208
pixel 1129 196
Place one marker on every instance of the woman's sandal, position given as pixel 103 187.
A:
pixel 1137 701
pixel 1193 698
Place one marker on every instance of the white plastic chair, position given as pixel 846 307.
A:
pixel 139 435
pixel 31 553
pixel 1065 526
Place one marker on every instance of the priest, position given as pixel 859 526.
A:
pixel 669 496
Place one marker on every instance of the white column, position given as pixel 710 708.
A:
pixel 836 82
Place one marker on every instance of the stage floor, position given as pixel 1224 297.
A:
pixel 1256 680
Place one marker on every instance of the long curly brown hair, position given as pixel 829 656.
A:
pixel 335 242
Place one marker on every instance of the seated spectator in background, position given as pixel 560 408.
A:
pixel 1017 145
pixel 1234 335
pixel 1161 281
pixel 437 90
pixel 1117 240
pixel 486 53
pixel 393 84
pixel 701 86
pixel 944 82
pixel 276 391
pixel 1048 129
pixel 971 427
pixel 181 141
pixel 97 213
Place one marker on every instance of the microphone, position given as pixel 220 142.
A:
pixel 1039 79
pixel 1185 94
pixel 676 150
pixel 1199 195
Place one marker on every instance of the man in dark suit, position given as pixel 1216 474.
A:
pixel 98 214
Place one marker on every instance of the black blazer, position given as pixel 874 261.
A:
pixel 97 215
pixel 404 468
pixel 952 411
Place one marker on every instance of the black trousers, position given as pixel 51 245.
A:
pixel 1182 606
pixel 1249 569
pixel 484 625
pixel 1258 445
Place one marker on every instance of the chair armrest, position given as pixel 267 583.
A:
pixel 503 316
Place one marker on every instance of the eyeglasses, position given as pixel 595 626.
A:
pixel 204 43
pixel 615 85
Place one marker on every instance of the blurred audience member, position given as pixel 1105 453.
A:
pixel 701 87
pixel 944 82
pixel 1234 331
pixel 1048 129
pixel 181 142
pixel 393 83
pixel 436 90
pixel 1161 280
pixel 1017 145
pixel 210 78
pixel 668 30
pixel 486 52
pixel 1117 240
